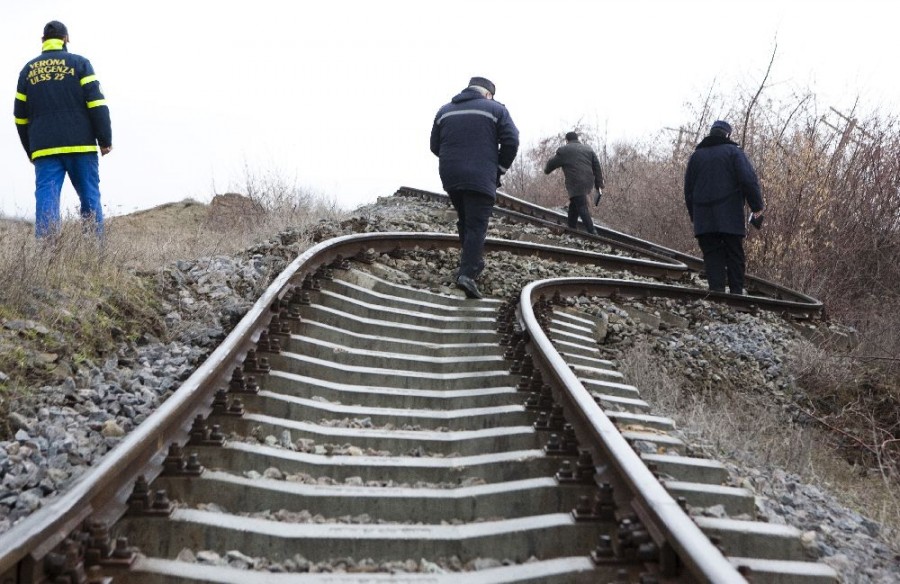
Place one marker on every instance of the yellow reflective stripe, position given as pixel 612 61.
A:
pixel 21 96
pixel 62 150
pixel 88 79
pixel 21 121
pixel 52 45
pixel 96 103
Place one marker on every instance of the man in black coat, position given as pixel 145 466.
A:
pixel 476 142
pixel 718 182
pixel 581 168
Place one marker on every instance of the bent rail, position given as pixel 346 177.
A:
pixel 527 211
pixel 671 526
pixel 103 491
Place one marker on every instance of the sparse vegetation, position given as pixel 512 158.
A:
pixel 833 230
pixel 832 187
pixel 774 437
pixel 73 300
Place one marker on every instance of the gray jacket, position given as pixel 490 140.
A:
pixel 580 166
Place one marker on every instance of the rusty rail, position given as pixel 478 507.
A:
pixel 668 524
pixel 527 211
pixel 102 492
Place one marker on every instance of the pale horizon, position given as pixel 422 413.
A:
pixel 340 96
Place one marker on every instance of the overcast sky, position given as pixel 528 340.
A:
pixel 340 95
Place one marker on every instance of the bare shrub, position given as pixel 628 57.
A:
pixel 31 269
pixel 750 428
pixel 286 203
pixel 644 197
pixel 831 182
pixel 855 403
pixel 74 297
pixel 264 204
pixel 526 178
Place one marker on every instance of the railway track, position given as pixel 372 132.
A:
pixel 355 429
pixel 525 211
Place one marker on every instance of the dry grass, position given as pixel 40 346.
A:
pixel 831 184
pixel 73 298
pixel 751 428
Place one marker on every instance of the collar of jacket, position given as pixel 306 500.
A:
pixel 466 95
pixel 711 141
pixel 53 45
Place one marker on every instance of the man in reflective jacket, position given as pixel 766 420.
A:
pixel 718 182
pixel 62 119
pixel 476 142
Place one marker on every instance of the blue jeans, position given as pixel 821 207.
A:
pixel 474 211
pixel 84 174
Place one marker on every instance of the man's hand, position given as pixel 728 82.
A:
pixel 756 219
pixel 597 196
pixel 104 150
pixel 500 172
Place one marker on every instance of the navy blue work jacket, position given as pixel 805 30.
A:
pixel 59 106
pixel 475 140
pixel 718 181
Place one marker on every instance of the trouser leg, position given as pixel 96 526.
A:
pixel 84 172
pixel 474 212
pixel 583 211
pixel 573 214
pixel 49 173
pixel 713 248
pixel 456 199
pixel 735 263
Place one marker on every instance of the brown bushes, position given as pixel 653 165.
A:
pixel 73 297
pixel 832 189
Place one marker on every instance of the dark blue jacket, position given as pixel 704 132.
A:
pixel 475 140
pixel 59 106
pixel 718 181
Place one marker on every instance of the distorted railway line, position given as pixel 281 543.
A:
pixel 357 427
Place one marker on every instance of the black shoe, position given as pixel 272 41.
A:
pixel 467 285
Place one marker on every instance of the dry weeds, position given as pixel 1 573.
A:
pixel 74 298
pixel 750 428
pixel 831 182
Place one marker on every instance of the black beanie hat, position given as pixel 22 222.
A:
pixel 55 30
pixel 570 136
pixel 720 128
pixel 482 82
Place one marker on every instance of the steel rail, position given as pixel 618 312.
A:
pixel 754 283
pixel 536 215
pixel 618 288
pixel 650 499
pixel 102 492
pixel 533 212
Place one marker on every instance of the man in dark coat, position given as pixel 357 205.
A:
pixel 718 182
pixel 581 168
pixel 63 121
pixel 476 142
